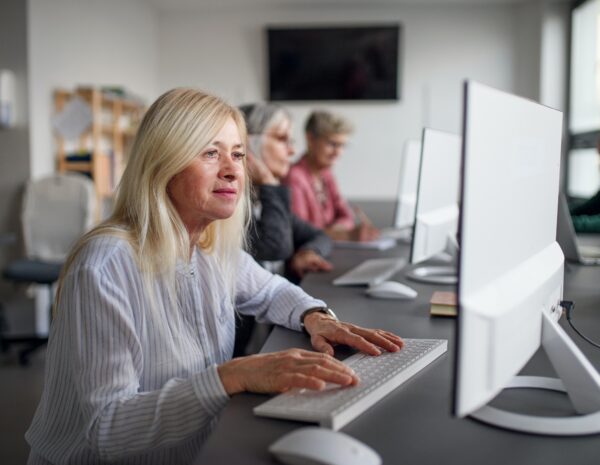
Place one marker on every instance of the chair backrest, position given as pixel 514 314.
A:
pixel 57 210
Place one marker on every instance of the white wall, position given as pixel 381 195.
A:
pixel 223 50
pixel 85 42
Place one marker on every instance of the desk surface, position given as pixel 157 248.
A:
pixel 414 423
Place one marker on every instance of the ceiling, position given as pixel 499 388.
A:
pixel 171 5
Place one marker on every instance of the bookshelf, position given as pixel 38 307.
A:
pixel 100 150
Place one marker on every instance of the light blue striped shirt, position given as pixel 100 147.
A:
pixel 117 388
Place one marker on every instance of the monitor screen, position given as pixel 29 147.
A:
pixel 407 185
pixel 436 213
pixel 333 63
pixel 511 267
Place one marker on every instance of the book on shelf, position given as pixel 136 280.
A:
pixel 443 303
pixel 79 157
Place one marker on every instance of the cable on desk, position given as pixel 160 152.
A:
pixel 569 305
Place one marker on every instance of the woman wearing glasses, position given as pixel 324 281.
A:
pixel 139 362
pixel 278 239
pixel 315 194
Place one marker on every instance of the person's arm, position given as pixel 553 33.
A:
pixel 589 207
pixel 311 245
pixel 105 359
pixel 307 237
pixel 270 235
pixel 586 223
pixel 274 299
pixel 295 368
pixel 270 297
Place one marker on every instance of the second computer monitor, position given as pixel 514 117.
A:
pixel 436 215
pixel 407 186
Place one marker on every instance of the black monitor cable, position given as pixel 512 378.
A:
pixel 569 305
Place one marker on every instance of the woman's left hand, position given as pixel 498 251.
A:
pixel 306 260
pixel 258 172
pixel 325 332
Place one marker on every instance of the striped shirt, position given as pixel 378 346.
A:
pixel 126 381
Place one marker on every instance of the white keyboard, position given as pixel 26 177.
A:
pixel 371 272
pixel 336 406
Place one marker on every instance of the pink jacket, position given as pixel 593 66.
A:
pixel 333 211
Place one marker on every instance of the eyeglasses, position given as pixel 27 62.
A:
pixel 334 145
pixel 283 138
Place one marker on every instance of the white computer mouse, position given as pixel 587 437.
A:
pixel 391 290
pixel 312 445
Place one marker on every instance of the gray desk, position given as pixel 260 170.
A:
pixel 414 423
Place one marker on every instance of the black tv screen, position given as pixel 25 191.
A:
pixel 333 63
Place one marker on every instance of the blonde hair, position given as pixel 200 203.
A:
pixel 178 125
pixel 321 123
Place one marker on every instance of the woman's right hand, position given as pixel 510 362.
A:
pixel 258 172
pixel 280 371
pixel 365 232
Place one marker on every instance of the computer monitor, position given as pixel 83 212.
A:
pixel 436 212
pixel 511 267
pixel 407 186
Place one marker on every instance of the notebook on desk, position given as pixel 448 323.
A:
pixel 371 272
pixel 400 234
pixel 567 239
pixel 382 243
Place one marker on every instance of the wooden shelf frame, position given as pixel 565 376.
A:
pixel 106 140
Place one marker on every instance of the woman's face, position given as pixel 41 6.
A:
pixel 323 151
pixel 277 149
pixel 210 187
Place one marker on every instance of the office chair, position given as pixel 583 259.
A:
pixel 56 211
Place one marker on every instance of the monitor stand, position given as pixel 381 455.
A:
pixel 439 274
pixel 577 378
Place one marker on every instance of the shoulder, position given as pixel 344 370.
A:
pixel 596 198
pixel 294 172
pixel 273 191
pixel 104 253
pixel 298 175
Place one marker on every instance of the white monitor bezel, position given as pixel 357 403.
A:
pixel 505 314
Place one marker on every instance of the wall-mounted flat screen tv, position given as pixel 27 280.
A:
pixel 334 63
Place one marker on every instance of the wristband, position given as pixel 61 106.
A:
pixel 325 310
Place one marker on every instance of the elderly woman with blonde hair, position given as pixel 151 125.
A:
pixel 139 357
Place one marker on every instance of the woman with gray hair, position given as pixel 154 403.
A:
pixel 139 355
pixel 277 237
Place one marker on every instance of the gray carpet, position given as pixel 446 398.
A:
pixel 20 391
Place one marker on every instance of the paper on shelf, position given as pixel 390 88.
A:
pixel 74 119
